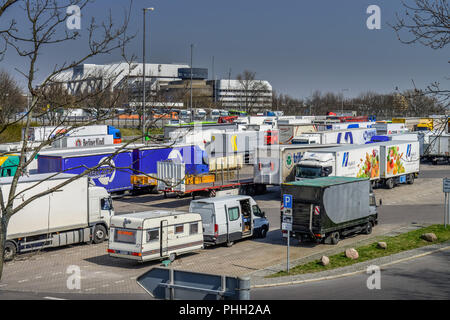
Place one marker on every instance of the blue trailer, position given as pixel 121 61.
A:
pixel 115 178
pixel 126 163
pixel 145 159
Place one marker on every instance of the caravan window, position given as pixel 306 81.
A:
pixel 125 235
pixel 193 228
pixel 152 235
pixel 233 213
pixel 179 228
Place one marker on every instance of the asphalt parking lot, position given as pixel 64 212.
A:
pixel 49 270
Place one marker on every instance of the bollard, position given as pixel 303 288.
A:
pixel 243 288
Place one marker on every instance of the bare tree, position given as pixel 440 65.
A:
pixel 426 22
pixel 11 97
pixel 43 25
pixel 253 92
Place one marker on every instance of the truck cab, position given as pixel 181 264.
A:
pixel 117 135
pixel 227 219
pixel 100 205
pixel 315 165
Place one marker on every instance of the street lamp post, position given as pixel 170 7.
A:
pixel 143 75
pixel 342 108
pixel 192 116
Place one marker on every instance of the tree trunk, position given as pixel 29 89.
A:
pixel 2 243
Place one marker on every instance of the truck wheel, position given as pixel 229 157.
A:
pixel 10 251
pixel 390 183
pixel 368 228
pixel 263 233
pixel 410 179
pixel 172 257
pixel 335 237
pixel 99 234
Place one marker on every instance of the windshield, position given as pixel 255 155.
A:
pixel 308 172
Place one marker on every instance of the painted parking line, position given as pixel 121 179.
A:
pixel 54 298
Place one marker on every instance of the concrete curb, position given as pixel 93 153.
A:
pixel 361 267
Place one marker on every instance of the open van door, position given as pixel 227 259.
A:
pixel 164 238
pixel 234 222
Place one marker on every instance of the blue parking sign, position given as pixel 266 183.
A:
pixel 287 201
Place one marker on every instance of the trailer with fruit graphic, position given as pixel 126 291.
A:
pixel 399 162
pixel 355 161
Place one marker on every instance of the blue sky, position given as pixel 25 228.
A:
pixel 299 46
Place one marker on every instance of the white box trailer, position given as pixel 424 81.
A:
pixel 349 125
pixel 346 136
pixel 287 132
pixel 385 163
pixel 399 162
pixel 237 142
pixel 390 128
pixel 84 141
pixel 76 212
pixel 155 235
pixel 355 161
pixel 437 148
pixel 275 164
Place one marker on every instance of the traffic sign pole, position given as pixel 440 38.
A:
pixel 289 236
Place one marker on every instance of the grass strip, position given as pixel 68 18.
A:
pixel 403 242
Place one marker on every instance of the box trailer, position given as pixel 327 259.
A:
pixel 237 142
pixel 409 123
pixel 390 128
pixel 76 212
pixel 115 177
pixel 155 235
pixel 328 209
pixel 399 162
pixel 348 125
pixel 84 141
pixel 346 136
pixel 436 147
pixel 275 164
pixel 356 161
pixel 287 132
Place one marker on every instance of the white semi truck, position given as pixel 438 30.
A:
pixel 385 163
pixel 77 212
pixel 275 164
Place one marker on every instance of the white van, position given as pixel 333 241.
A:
pixel 154 235
pixel 227 219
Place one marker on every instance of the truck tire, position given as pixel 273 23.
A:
pixel 335 237
pixel 263 232
pixel 410 178
pixel 172 257
pixel 368 228
pixel 390 183
pixel 99 234
pixel 10 251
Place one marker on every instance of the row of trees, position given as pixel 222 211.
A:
pixel 385 106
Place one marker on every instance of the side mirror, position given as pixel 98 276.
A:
pixel 263 214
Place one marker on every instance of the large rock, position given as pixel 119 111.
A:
pixel 324 261
pixel 430 237
pixel 382 245
pixel 351 254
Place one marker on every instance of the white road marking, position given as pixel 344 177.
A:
pixel 120 281
pixel 22 281
pixel 53 298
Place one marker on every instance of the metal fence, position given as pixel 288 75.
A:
pixel 170 284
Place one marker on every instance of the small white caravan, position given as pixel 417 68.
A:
pixel 154 235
